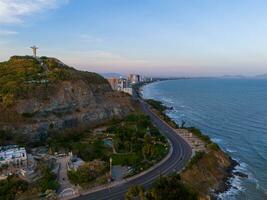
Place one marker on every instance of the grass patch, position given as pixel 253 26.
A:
pixel 126 159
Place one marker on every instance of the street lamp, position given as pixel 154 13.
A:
pixel 110 167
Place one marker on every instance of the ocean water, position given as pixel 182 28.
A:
pixel 234 114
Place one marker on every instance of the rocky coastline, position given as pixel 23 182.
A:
pixel 223 183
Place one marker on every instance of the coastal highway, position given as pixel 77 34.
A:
pixel 175 162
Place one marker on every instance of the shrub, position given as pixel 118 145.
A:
pixel 135 192
pixel 161 108
pixel 196 158
pixel 170 188
pixel 87 173
pixel 157 105
pixel 198 133
pixel 11 187
pixel 213 146
pixel 48 180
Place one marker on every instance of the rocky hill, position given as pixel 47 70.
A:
pixel 38 95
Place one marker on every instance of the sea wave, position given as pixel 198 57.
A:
pixel 230 150
pixel 167 100
pixel 236 188
pixel 236 183
pixel 217 140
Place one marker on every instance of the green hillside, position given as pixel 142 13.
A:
pixel 22 76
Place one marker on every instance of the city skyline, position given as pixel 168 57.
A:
pixel 169 38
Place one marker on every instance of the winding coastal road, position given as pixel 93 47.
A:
pixel 175 162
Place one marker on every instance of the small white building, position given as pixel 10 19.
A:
pixel 12 154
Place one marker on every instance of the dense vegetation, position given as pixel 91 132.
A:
pixel 22 76
pixel 158 105
pixel 82 143
pixel 170 188
pixel 48 180
pixel 11 187
pixel 7 137
pixel 89 172
pixel 137 142
pixel 160 108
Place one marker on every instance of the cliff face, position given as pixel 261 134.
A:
pixel 41 95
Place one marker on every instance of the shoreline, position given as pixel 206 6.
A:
pixel 225 184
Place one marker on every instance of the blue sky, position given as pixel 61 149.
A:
pixel 153 37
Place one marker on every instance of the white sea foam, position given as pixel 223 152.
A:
pixel 236 188
pixel 216 140
pixel 167 100
pixel 236 183
pixel 242 167
pixel 230 150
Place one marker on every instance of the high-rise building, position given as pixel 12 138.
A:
pixel 134 78
pixel 123 83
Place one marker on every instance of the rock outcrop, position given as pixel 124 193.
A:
pixel 42 95
pixel 210 174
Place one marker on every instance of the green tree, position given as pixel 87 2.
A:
pixel 11 187
pixel 136 192
pixel 48 180
pixel 148 148
pixel 170 188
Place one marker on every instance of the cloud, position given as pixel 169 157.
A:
pixel 7 33
pixel 106 59
pixel 13 11
pixel 90 38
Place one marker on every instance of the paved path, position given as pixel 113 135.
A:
pixel 66 188
pixel 179 156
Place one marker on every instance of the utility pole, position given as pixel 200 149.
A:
pixel 110 166
pixel 34 49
